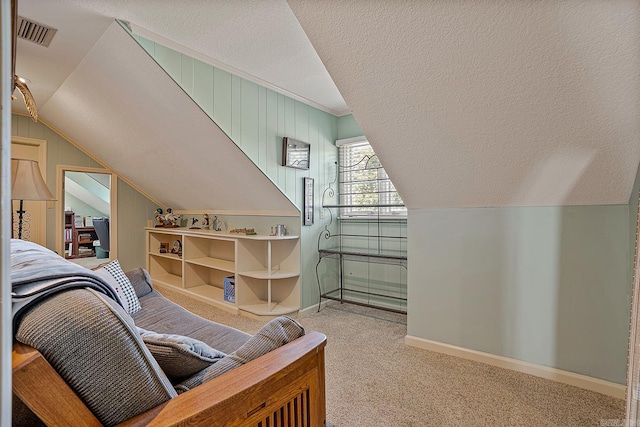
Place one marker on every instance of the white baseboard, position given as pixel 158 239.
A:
pixel 314 308
pixel 566 377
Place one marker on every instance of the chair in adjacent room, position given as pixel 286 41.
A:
pixel 101 225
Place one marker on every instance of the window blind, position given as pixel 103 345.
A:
pixel 365 187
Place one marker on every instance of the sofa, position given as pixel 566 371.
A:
pixel 83 357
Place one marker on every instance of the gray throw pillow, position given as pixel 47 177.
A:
pixel 179 356
pixel 274 334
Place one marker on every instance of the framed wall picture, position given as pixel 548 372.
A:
pixel 295 154
pixel 308 201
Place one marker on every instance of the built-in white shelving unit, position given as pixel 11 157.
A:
pixel 266 268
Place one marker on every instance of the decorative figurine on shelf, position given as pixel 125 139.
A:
pixel 177 248
pixel 167 220
pixel 160 222
pixel 217 224
pixel 205 221
pixel 245 231
pixel 194 221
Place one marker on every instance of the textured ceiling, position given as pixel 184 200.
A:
pixel 48 68
pixel 129 113
pixel 468 103
pixel 262 40
pixel 490 103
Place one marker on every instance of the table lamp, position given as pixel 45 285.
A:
pixel 27 184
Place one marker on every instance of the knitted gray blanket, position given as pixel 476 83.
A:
pixel 37 272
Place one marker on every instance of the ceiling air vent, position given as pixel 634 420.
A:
pixel 35 32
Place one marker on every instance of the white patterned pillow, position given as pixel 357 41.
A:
pixel 115 277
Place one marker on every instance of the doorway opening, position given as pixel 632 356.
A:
pixel 87 215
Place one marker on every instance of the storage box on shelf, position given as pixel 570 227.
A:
pixel 266 268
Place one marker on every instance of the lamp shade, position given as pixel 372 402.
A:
pixel 27 182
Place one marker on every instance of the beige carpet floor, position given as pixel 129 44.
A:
pixel 374 379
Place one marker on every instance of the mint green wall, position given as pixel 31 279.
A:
pixel 348 127
pixel 256 119
pixel 59 151
pixel 547 285
pixel 80 208
pixel 134 210
pixel 633 221
pixel 62 152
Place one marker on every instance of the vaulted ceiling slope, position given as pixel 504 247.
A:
pixel 490 103
pixel 122 107
pixel 258 40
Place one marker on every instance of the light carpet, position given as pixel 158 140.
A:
pixel 374 379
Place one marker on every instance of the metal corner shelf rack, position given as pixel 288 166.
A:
pixel 381 247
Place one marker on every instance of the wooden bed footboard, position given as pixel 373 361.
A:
pixel 283 388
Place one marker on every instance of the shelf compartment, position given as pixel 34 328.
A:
pixel 197 275
pixel 210 292
pixel 207 294
pixel 156 238
pixel 166 269
pixel 268 294
pixel 167 255
pixel 263 274
pixel 218 264
pixel 277 255
pixel 168 279
pixel 199 248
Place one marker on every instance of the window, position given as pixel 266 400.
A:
pixel 365 187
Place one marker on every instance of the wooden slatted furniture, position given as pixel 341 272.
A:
pixel 282 388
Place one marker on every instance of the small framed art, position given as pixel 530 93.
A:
pixel 295 154
pixel 308 201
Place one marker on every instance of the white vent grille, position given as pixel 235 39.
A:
pixel 35 32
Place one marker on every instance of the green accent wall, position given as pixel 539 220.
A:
pixel 256 119
pixel 134 209
pixel 348 127
pixel 80 208
pixel 546 285
pixel 633 222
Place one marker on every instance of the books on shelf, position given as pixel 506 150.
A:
pixel 85 251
